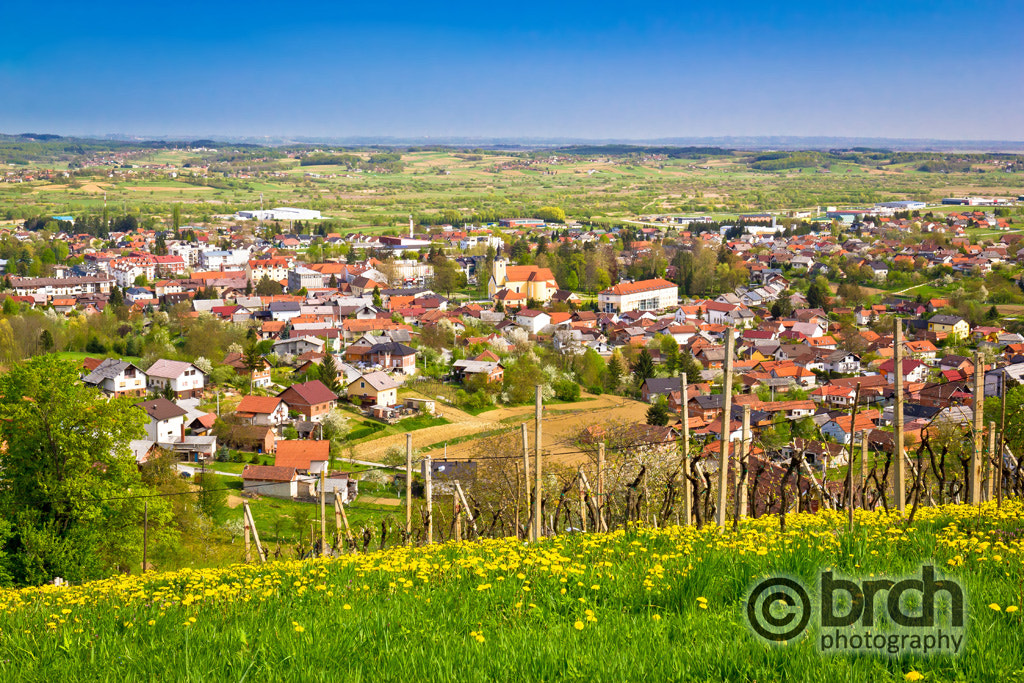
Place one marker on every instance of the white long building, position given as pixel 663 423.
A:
pixel 281 213
pixel 644 295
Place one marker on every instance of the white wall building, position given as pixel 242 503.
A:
pixel 645 295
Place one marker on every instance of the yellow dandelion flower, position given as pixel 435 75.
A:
pixel 299 629
pixel 994 606
pixel 1011 608
pixel 578 626
pixel 913 676
pixel 656 617
pixel 346 606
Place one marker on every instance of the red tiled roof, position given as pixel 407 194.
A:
pixel 300 453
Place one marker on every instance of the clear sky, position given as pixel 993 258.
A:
pixel 598 70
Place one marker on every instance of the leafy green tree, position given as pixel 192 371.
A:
pixel 68 481
pixel 268 287
pixel 377 301
pixel 819 294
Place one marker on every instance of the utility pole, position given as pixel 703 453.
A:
pixel 408 489
pixel 687 489
pixel 428 476
pixel 900 473
pixel 538 495
pixel 458 517
pixel 583 507
pixel 979 422
pixel 723 455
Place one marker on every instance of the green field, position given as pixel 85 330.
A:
pixel 635 604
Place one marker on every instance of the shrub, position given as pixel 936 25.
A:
pixel 567 390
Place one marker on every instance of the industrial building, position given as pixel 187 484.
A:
pixel 281 213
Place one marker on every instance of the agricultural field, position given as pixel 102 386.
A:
pixel 639 603
pixel 443 184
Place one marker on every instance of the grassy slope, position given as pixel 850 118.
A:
pixel 500 610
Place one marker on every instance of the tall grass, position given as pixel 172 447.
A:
pixel 636 604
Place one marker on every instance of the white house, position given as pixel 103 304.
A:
pixel 644 295
pixel 117 378
pixel 184 379
pixel 166 421
pixel 263 411
pixel 532 321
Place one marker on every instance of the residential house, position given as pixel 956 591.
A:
pixel 117 378
pixel 951 325
pixel 394 356
pixel 305 455
pixel 312 399
pixel 272 481
pixel 532 321
pixel 258 378
pixel 464 369
pixel 265 411
pixel 374 388
pixel 184 380
pixel 166 420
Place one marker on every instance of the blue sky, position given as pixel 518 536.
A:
pixel 593 70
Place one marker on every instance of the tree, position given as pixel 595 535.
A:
pixel 614 375
pixel 657 414
pixel 66 474
pixel 643 367
pixel 268 287
pixel 689 366
pixel 329 371
pixel 377 301
pixel 819 294
pixel 46 341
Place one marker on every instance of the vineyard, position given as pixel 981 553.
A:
pixel 639 603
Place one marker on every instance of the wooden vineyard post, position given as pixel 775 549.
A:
pixel 723 455
pixel 1002 446
pixel 248 536
pixel 979 421
pixel 457 521
pixel 900 471
pixel 990 462
pixel 526 477
pixel 145 536
pixel 255 533
pixel 339 511
pixel 687 489
pixel 465 505
pixel 583 506
pixel 849 463
pixel 863 472
pixel 538 521
pixel 428 475
pixel 744 463
pixel 323 511
pixel 600 486
pixel 408 489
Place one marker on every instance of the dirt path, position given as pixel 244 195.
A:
pixel 560 421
